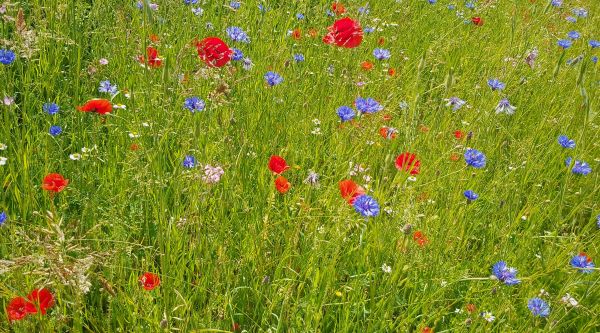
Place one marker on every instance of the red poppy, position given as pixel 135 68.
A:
pixel 149 280
pixel 54 182
pixel 387 117
pixel 388 132
pixel 282 185
pixel 312 32
pixel 99 105
pixel 471 308
pixel 420 238
pixel 154 38
pixel 297 34
pixel 426 329
pixel 367 65
pixel 391 72
pixel 478 21
pixel 344 32
pixel 214 52
pixel 454 157
pixel 381 41
pixel 350 190
pixel 154 60
pixel 18 308
pixel 409 163
pixel 277 164
pixel 459 134
pixel 42 298
pixel 338 8
pixel 134 147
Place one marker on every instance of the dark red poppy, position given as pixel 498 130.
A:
pixel 409 163
pixel 149 280
pixel 282 185
pixel 344 32
pixel 54 182
pixel 350 190
pixel 214 52
pixel 478 21
pixel 297 34
pixel 19 307
pixel 99 105
pixel 42 298
pixel 381 41
pixel 391 72
pixel 277 164
pixel 338 8
pixel 154 60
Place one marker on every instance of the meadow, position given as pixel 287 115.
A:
pixel 300 166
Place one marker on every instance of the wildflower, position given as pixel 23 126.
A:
pixel 366 65
pixel 573 34
pixel 594 59
pixel 18 308
pixel 237 34
pixel 277 164
pixel 296 34
pixel 273 78
pixel 598 221
pixel 350 191
pixel 190 2
pixel 381 54
pixel 455 102
pixel 366 206
pixel 475 158
pixel 189 162
pixel 565 43
pixel 235 4
pixel 478 21
pixel 214 52
pixel 556 3
pixel 580 12
pixel 3 146
pixel 54 182
pixel 495 84
pixel 282 185
pixel 120 106
pixel 386 269
pixel 107 87
pixel 300 16
pixel 237 54
pixel 583 263
pixel 153 60
pixel 458 134
pixel 98 105
pixel 51 108
pixel 388 132
pixel 212 174
pixel 344 32
pixel 505 107
pixel 312 178
pixel 149 280
pixel 408 162
pixel 55 130
pixel 391 72
pixel 531 57
pixel 345 113
pixel 488 316
pixel 75 157
pixel 367 105
pixel 42 299
pixel 421 239
pixel 470 195
pixel 103 61
pixel 506 274
pixel 569 301
pixel 298 57
pixel 197 11
pixel 564 141
pixel 194 104
pixel 538 307
pixel 579 167
pixel 3 160
pixel 571 19
pixel 7 57
pixel 247 64
pixel 2 218
pixel 338 8
pixel 8 100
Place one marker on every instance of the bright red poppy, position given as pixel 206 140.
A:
pixel 154 60
pixel 277 164
pixel 282 185
pixel 420 238
pixel 149 280
pixel 367 65
pixel 297 34
pixel 409 163
pixel 478 21
pixel 214 52
pixel 388 132
pixel 19 307
pixel 54 182
pixel 99 105
pixel 391 72
pixel 350 190
pixel 458 134
pixel 42 298
pixel 344 32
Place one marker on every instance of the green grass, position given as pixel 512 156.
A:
pixel 240 252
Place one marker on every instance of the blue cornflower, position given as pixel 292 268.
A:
pixel 300 16
pixel 50 108
pixel 273 78
pixel 237 54
pixel 345 113
pixel 368 30
pixel 139 4
pixel 381 54
pixel 2 218
pixel 566 142
pixel 366 206
pixel 470 5
pixel 595 59
pixel 583 263
pixel 364 10
pixel 247 63
pixel 538 307
pixel 594 43
pixel 298 57
pixel 451 7
pixel 571 19
pixel 237 34
pixel 598 221
pixel 194 104
pixel 581 12
pixel 367 105
pixel 495 84
pixel 505 107
pixel 235 4
pixel 7 57
pixel 573 34
pixel 190 2
pixel 107 87
pixel 55 130
pixel 455 102
pixel 565 43
pixel 197 11
pixel 506 274
pixel 470 195
pixel 189 162
pixel 579 168
pixel 475 158
pixel 556 3
pixel 432 1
